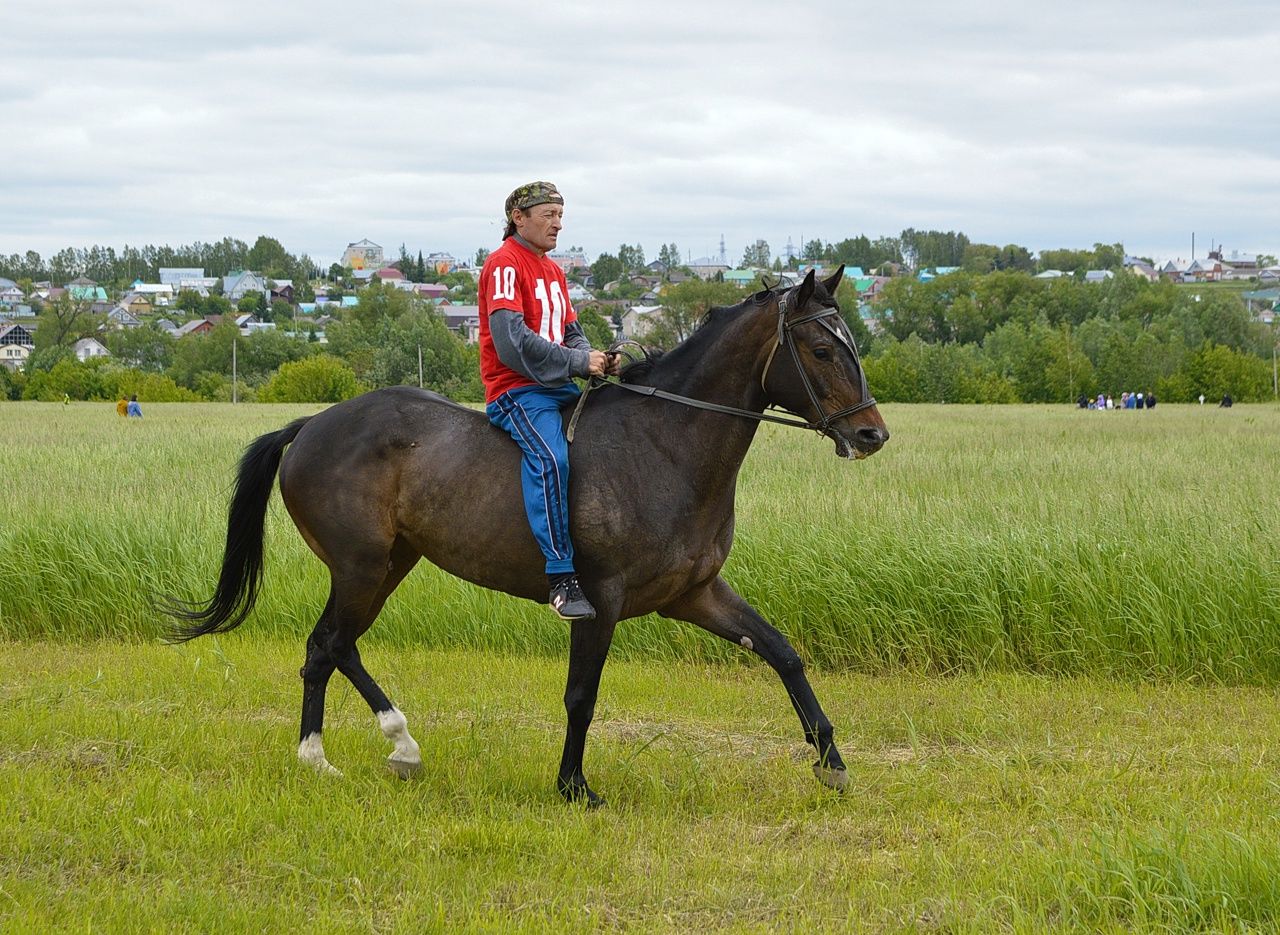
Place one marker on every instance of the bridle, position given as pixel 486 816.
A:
pixel 783 337
pixel 840 332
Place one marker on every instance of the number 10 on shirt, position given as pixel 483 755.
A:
pixel 551 324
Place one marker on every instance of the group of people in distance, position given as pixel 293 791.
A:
pixel 1126 401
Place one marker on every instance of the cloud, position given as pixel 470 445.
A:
pixel 322 123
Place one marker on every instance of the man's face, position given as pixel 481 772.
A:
pixel 540 225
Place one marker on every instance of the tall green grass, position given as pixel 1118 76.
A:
pixel 981 538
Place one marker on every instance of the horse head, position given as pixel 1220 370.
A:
pixel 813 368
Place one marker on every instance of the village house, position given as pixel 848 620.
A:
pixel 121 317
pixel 441 262
pixel 638 320
pixel 362 255
pixel 14 356
pixel 89 347
pixel 570 259
pixel 463 319
pixel 83 289
pixel 239 284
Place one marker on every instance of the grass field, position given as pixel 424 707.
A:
pixel 1047 639
pixel 155 789
pixel 980 539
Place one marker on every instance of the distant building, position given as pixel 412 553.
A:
pixel 14 334
pixel 363 254
pixel 464 319
pixel 236 286
pixel 638 320
pixel 569 259
pixel 14 356
pixel 441 262
pixel 89 347
pixel 175 275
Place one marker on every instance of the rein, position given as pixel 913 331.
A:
pixel 822 427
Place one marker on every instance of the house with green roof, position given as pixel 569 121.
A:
pixel 83 289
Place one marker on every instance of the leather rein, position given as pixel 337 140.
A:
pixel 784 337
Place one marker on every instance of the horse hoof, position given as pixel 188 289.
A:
pixel 324 768
pixel 575 794
pixel 837 779
pixel 405 769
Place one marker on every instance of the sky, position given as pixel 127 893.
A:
pixel 322 123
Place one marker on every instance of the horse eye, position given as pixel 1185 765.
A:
pixel 822 353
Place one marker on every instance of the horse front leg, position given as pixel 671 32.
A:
pixel 589 642
pixel 719 609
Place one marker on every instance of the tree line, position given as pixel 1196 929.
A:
pixel 990 332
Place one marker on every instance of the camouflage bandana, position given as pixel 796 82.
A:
pixel 535 193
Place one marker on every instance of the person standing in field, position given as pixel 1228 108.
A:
pixel 122 407
pixel 133 409
pixel 531 348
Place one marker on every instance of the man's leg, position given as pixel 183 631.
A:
pixel 533 418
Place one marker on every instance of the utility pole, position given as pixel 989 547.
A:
pixel 235 398
pixel 419 366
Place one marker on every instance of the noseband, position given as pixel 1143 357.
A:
pixel 823 426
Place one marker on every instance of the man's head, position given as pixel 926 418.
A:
pixel 535 212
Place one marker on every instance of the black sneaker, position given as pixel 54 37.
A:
pixel 569 602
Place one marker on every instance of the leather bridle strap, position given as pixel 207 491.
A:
pixel 783 337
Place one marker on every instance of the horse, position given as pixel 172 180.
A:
pixel 397 474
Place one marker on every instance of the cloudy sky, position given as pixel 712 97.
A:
pixel 321 123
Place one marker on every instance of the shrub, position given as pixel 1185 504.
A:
pixel 319 379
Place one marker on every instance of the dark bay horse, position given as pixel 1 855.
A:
pixel 379 481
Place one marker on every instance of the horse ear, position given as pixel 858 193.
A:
pixel 806 290
pixel 832 283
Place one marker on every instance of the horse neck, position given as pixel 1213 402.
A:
pixel 722 366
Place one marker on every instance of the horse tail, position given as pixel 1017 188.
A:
pixel 241 573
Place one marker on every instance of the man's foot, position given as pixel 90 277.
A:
pixel 569 602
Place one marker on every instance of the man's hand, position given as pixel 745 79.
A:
pixel 599 363
pixel 614 367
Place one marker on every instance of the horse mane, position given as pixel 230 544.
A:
pixel 703 333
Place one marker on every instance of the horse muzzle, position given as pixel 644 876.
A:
pixel 865 442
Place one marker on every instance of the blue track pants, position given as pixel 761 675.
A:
pixel 531 415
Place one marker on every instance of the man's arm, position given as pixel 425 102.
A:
pixel 527 353
pixel 574 336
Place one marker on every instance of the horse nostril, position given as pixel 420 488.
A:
pixel 872 437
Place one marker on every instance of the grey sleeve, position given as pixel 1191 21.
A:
pixel 537 358
pixel 574 336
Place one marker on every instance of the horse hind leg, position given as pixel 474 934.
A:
pixel 315 673
pixel 405 759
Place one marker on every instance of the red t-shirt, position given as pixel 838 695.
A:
pixel 516 278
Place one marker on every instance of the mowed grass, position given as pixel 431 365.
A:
pixel 151 788
pixel 1034 539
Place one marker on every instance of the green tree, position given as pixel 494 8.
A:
pixel 598 331
pixel 683 307
pixel 64 320
pixel 269 257
pixel 756 256
pixel 188 300
pixel 148 347
pixel 606 269
pixel 631 258
pixel 318 379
